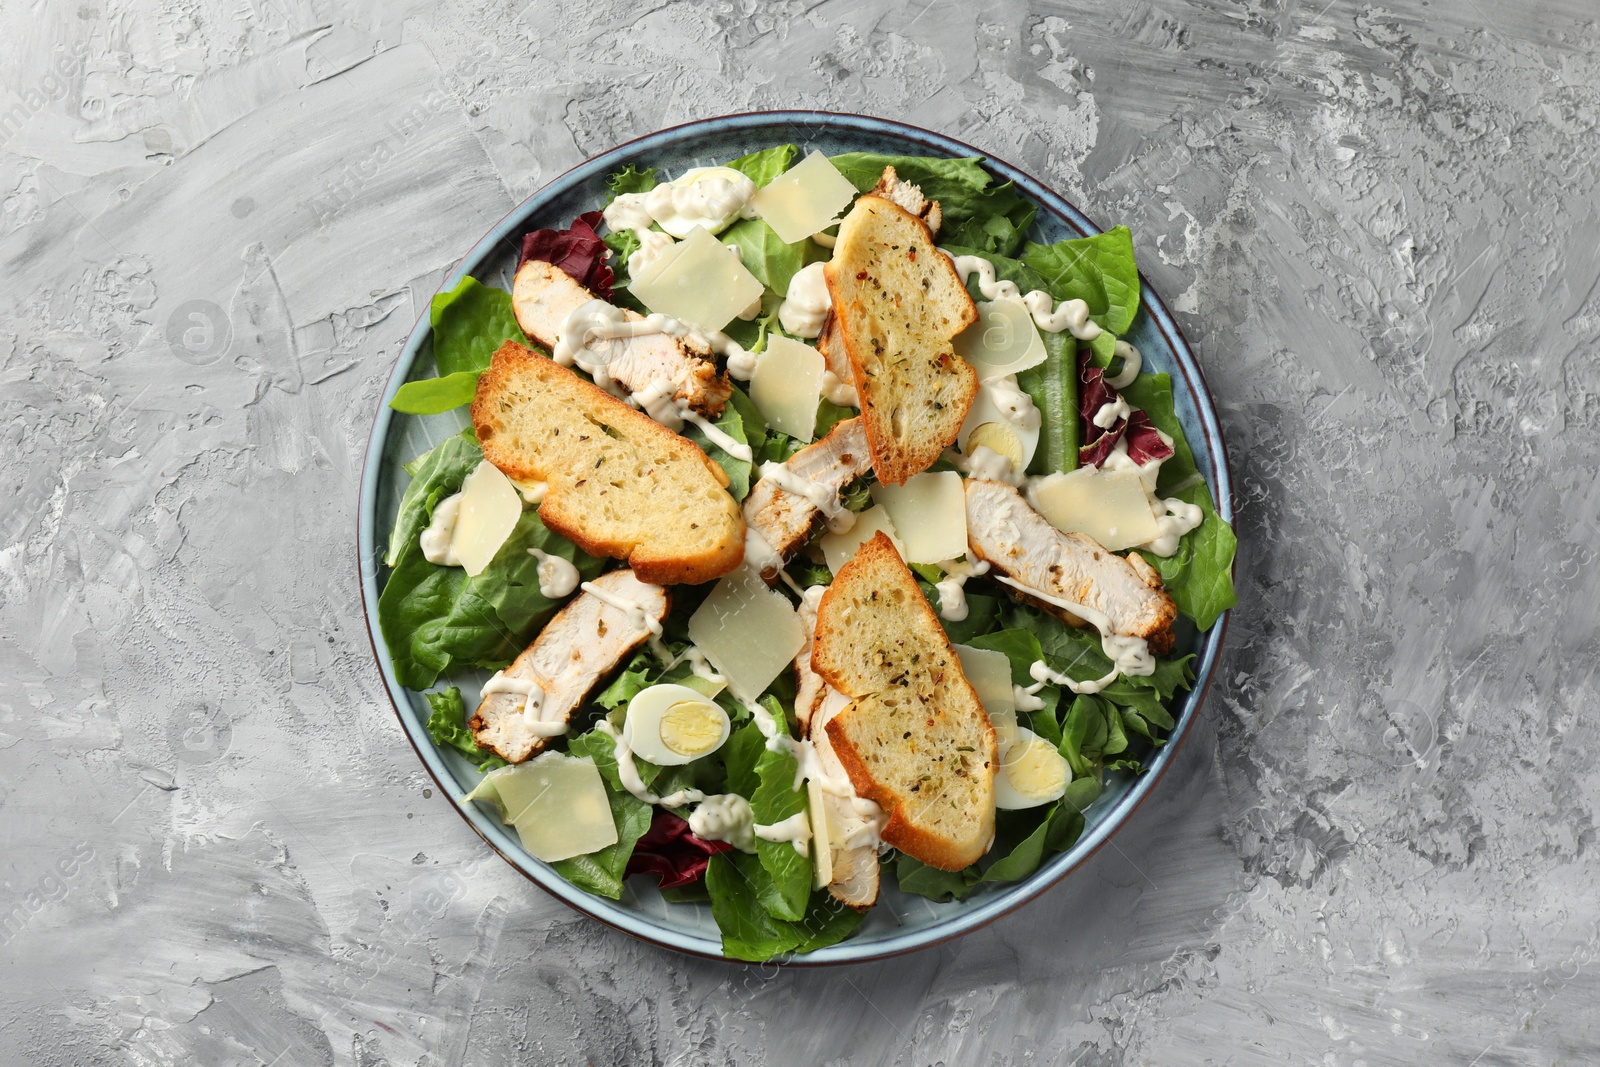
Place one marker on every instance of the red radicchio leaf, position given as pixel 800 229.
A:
pixel 1095 393
pixel 1144 440
pixel 672 853
pixel 579 252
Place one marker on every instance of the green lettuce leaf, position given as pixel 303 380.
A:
pixel 1200 574
pixel 469 323
pixel 914 876
pixel 763 166
pixel 632 179
pixel 1098 270
pixel 749 933
pixel 431 396
pixel 731 423
pixel 774 800
pixel 436 618
pixel 447 725
pixel 977 213
pixel 764 253
pixel 603 872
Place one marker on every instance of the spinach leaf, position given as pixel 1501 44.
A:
pixel 431 396
pixel 774 800
pixel 1200 574
pixel 914 876
pixel 447 725
pixel 764 254
pixel 738 470
pixel 469 323
pixel 1098 270
pixel 749 933
pixel 435 618
pixel 763 166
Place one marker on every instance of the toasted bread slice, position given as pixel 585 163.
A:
pixel 898 303
pixel 621 484
pixel 915 738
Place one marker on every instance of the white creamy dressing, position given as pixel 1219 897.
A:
pixel 717 817
pixel 986 465
pixel 1132 361
pixel 1014 403
pixel 659 400
pixel 628 774
pixel 1174 517
pixel 725 817
pixel 435 540
pixel 1129 655
pixel 532 703
pixel 1027 699
pixel 701 667
pixel 1042 675
pixel 796 830
pixel 1111 411
pixel 652 244
pixel 952 591
pixel 840 518
pixel 838 391
pixel 1070 315
pixel 557 576
pixel 710 197
pixel 805 306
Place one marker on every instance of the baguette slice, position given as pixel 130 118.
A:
pixel 621 484
pixel 914 738
pixel 898 303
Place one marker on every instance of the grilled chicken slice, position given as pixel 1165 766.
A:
pixel 584 642
pixel 543 295
pixel 1019 543
pixel 787 520
pixel 909 196
pixel 855 870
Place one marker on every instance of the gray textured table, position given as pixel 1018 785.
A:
pixel 1380 227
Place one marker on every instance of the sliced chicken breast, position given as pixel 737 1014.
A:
pixel 909 196
pixel 787 520
pixel 543 295
pixel 1019 543
pixel 587 640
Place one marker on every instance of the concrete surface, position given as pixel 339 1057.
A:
pixel 219 219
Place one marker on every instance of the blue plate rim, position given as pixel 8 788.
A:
pixel 610 912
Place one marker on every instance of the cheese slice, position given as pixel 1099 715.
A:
pixel 556 802
pixel 930 513
pixel 805 199
pixel 1004 339
pixel 747 631
pixel 1109 506
pixel 490 508
pixel 837 548
pixel 787 386
pixel 990 675
pixel 699 281
pixel 821 837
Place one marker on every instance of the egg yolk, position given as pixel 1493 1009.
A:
pixel 691 728
pixel 998 437
pixel 1034 769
